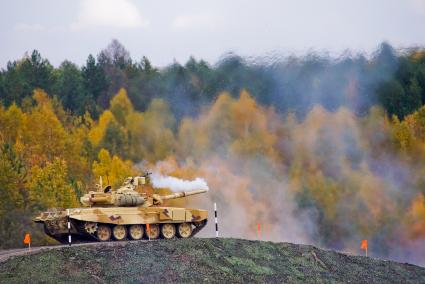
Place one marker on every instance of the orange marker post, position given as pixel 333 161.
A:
pixel 27 240
pixel 259 230
pixel 364 245
pixel 148 230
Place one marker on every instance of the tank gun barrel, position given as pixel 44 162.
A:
pixel 182 194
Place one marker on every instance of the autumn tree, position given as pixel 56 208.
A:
pixel 121 107
pixel 113 170
pixel 50 186
pixel 110 133
pixel 156 128
pixel 42 133
pixel 234 126
pixel 12 175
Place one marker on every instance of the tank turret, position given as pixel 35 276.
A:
pixel 124 196
pixel 127 196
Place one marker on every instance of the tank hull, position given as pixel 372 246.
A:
pixel 85 222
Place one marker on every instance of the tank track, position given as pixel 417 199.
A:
pixel 199 227
pixel 60 238
pixel 85 237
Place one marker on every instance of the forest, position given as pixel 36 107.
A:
pixel 320 150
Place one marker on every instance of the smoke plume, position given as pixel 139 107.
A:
pixel 176 184
pixel 330 179
pixel 312 158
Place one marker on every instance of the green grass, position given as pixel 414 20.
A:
pixel 202 260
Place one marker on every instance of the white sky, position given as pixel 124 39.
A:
pixel 167 30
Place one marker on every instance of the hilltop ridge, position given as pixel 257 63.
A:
pixel 202 260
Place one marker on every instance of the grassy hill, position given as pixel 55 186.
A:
pixel 202 260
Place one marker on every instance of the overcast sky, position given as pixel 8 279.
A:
pixel 167 30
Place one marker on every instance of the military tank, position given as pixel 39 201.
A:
pixel 124 213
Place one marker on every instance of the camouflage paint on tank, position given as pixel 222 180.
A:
pixel 100 208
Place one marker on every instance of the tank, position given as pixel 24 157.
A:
pixel 124 214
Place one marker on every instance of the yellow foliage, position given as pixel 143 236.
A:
pixel 41 98
pixel 10 123
pixel 237 126
pixel 409 134
pixel 112 170
pixel 193 140
pixel 42 133
pixel 121 106
pixel 415 218
pixel 159 113
pixel 326 193
pixel 97 133
pixel 369 200
pixel 50 187
pixel 136 139
pixel 157 135
pixel 401 133
pixel 9 182
pixel 250 128
pixel 416 122
pixel 418 55
pixel 333 160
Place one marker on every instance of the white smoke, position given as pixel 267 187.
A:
pixel 176 184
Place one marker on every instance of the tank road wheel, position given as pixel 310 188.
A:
pixel 103 233
pixel 119 232
pixel 184 230
pixel 136 232
pixel 168 231
pixel 90 227
pixel 154 231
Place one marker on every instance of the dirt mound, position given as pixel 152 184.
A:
pixel 206 260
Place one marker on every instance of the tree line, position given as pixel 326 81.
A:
pixel 290 84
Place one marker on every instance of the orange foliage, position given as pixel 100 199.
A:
pixel 324 173
pixel 415 217
pixel 237 126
